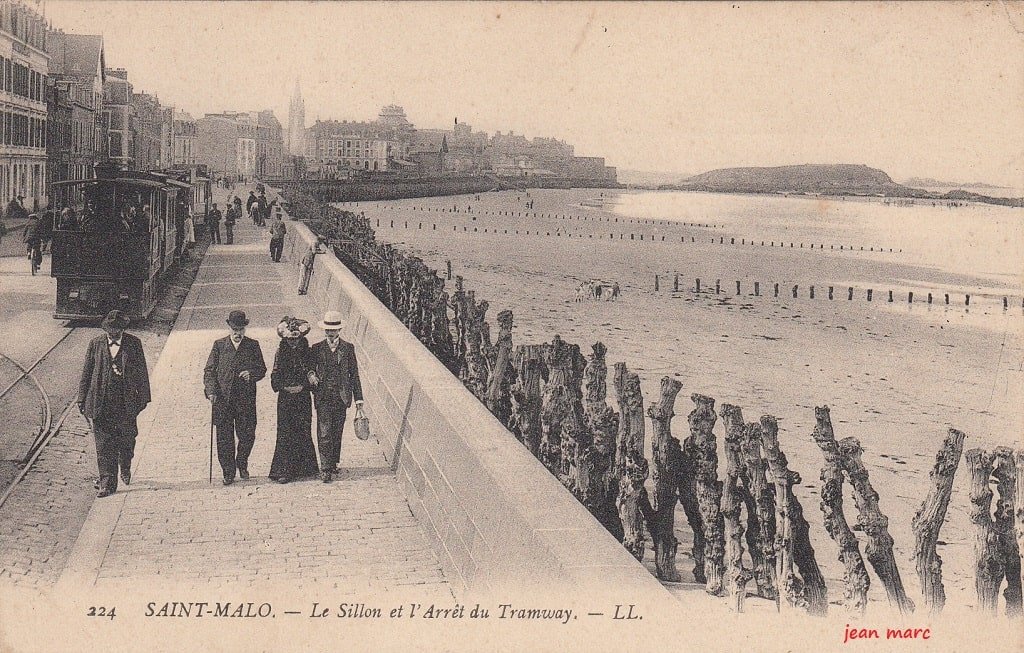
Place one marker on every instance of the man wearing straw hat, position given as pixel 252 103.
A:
pixel 334 376
pixel 113 390
pixel 234 367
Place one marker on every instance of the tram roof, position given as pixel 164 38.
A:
pixel 125 181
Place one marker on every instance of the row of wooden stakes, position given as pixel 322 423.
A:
pixel 554 400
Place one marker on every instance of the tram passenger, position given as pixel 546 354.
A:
pixel 68 220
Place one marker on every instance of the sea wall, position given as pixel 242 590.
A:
pixel 356 190
pixel 498 520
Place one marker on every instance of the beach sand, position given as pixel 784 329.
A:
pixel 895 376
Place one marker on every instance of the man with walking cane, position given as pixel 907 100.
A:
pixel 113 390
pixel 234 367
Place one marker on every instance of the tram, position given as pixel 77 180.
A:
pixel 113 236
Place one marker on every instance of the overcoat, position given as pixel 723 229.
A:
pixel 97 372
pixel 339 379
pixel 220 377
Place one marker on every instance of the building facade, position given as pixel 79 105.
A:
pixel 183 139
pixel 269 145
pixel 226 144
pixel 77 68
pixel 24 64
pixel 337 149
pixel 118 119
pixel 146 123
pixel 59 129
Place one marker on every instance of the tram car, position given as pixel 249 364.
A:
pixel 113 237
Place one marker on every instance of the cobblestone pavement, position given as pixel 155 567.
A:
pixel 171 525
pixel 39 523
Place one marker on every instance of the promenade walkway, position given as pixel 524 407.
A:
pixel 171 525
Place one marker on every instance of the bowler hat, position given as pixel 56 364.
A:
pixel 238 319
pixel 332 320
pixel 115 319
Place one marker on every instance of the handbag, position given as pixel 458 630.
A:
pixel 361 423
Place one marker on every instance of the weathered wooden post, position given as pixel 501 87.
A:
pixel 967 300
pixel 929 518
pixel 665 451
pixel 526 394
pixel 757 289
pixel 1004 471
pixel 989 567
pixel 910 297
pixel 630 465
pixel 598 483
pixel 1018 499
pixel 499 394
pixel 737 576
pixel 776 290
pixel 718 286
pixel 890 296
pixel 849 294
pixel 795 289
pixel 655 283
pixel 738 288
pixel 764 508
pixel 792 532
pixel 708 489
pixel 855 575
pixel 812 292
pixel 830 291
pixel 869 294
pixel 698 285
pixel 873 523
pixel 675 283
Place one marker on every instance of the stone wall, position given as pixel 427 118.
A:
pixel 496 517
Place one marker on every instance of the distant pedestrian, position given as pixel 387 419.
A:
pixel 248 206
pixel 16 212
pixel 229 224
pixel 232 370
pixel 188 234
pixel 113 390
pixel 277 233
pixel 238 206
pixel 307 265
pixel 334 377
pixel 213 217
pixel 615 291
pixel 263 209
pixel 294 455
pixel 30 236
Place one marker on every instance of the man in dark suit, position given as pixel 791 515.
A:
pixel 113 390
pixel 334 375
pixel 234 367
pixel 213 220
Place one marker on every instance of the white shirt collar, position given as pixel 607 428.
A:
pixel 235 344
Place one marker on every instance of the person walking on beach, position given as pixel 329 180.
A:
pixel 334 377
pixel 277 233
pixel 233 369
pixel 229 224
pixel 112 391
pixel 214 219
pixel 294 455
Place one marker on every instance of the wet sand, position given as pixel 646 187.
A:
pixel 896 376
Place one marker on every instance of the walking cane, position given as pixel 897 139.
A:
pixel 211 442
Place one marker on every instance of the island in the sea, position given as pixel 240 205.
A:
pixel 826 179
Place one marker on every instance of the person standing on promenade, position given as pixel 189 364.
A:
pixel 307 264
pixel 248 206
pixel 238 207
pixel 229 224
pixel 113 390
pixel 30 236
pixel 232 370
pixel 277 233
pixel 213 217
pixel 263 209
pixel 294 455
pixel 334 376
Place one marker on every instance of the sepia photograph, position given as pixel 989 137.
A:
pixel 511 326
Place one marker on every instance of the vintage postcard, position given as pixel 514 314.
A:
pixel 511 326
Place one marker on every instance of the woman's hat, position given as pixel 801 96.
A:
pixel 292 327
pixel 115 319
pixel 332 320
pixel 238 319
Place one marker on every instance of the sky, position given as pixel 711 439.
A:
pixel 916 89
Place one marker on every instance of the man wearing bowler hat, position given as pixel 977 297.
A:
pixel 234 367
pixel 334 376
pixel 113 390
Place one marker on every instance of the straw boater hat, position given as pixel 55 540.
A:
pixel 332 320
pixel 115 319
pixel 292 327
pixel 238 319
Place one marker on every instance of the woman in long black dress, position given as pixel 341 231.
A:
pixel 294 455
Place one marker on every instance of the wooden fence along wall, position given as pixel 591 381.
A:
pixel 749 528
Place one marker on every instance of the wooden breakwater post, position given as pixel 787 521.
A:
pixel 997 555
pixel 855 574
pixel 718 286
pixel 708 489
pixel 630 464
pixel 665 451
pixel 776 290
pixel 849 293
pixel 655 283
pixel 890 296
pixel 792 533
pixel 757 289
pixel 928 521
pixel 499 384
pixel 733 497
pixel 738 288
pixel 872 522
pixel 675 283
pixel 870 291
pixel 812 292
pixel 698 285
pixel 795 289
pixel 598 479
pixel 830 291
